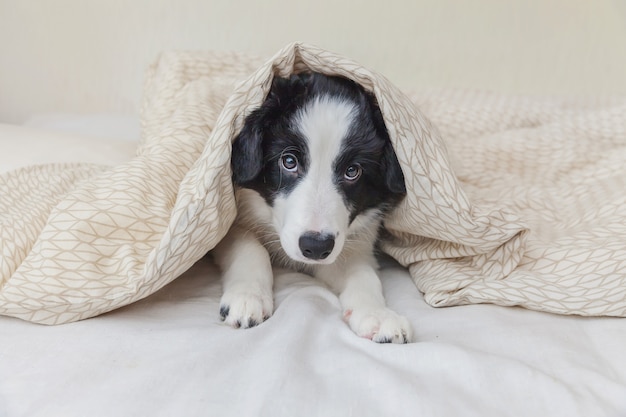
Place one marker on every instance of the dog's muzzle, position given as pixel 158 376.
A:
pixel 316 246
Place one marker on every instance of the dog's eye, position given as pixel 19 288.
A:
pixel 289 162
pixel 353 172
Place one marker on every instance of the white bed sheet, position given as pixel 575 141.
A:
pixel 170 355
pixel 23 146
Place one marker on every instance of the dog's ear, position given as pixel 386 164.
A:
pixel 295 86
pixel 247 153
pixel 394 178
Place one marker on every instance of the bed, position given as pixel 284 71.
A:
pixel 167 353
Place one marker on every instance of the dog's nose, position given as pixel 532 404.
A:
pixel 316 246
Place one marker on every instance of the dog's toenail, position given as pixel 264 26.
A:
pixel 224 310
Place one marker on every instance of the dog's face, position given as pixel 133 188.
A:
pixel 318 153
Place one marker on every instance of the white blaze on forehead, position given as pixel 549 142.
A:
pixel 324 122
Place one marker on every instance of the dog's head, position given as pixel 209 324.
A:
pixel 318 152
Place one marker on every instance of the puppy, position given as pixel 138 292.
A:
pixel 315 172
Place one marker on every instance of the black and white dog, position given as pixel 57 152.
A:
pixel 315 172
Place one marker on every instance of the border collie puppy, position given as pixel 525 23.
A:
pixel 315 172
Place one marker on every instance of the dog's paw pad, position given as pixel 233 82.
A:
pixel 245 310
pixel 381 325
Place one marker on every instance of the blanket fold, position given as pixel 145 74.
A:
pixel 477 225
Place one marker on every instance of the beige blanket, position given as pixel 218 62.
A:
pixel 525 207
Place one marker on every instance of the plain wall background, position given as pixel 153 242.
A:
pixel 84 56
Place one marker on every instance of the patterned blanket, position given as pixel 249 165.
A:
pixel 511 200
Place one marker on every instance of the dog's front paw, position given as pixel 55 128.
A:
pixel 245 309
pixel 381 325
